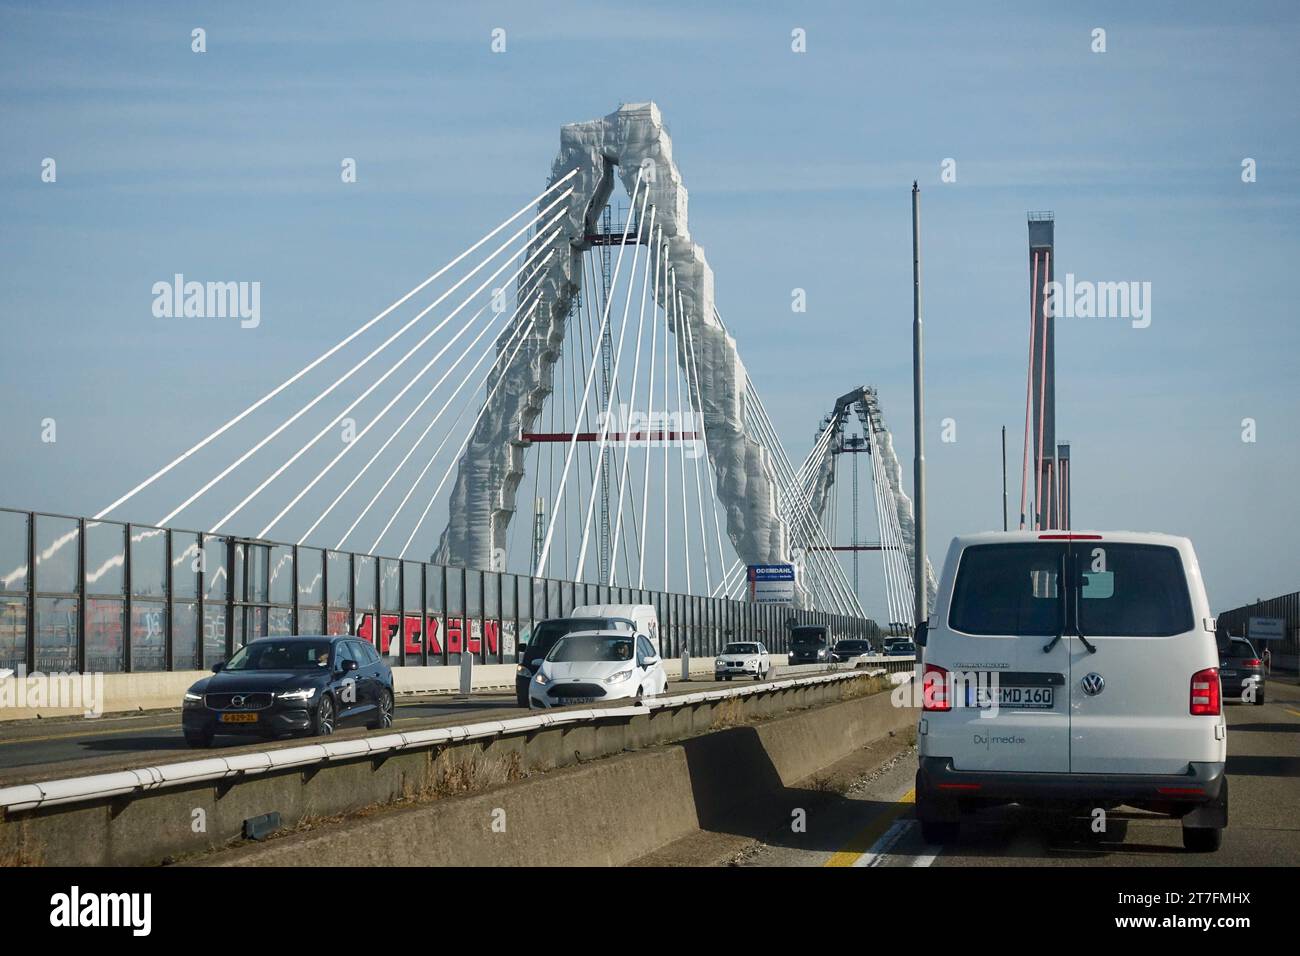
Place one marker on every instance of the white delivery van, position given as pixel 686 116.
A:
pixel 1074 670
pixel 644 618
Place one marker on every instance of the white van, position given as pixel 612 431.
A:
pixel 644 618
pixel 1075 670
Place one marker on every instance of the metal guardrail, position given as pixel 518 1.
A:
pixel 145 779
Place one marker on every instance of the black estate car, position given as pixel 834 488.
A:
pixel 1240 668
pixel 291 685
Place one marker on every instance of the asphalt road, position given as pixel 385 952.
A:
pixel 51 748
pixel 870 823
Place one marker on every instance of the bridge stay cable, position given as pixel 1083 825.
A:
pixel 374 385
pixel 573 442
pixel 618 359
pixel 342 343
pixel 357 367
pixel 527 294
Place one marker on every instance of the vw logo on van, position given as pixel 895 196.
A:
pixel 1093 684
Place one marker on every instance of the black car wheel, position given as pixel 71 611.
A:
pixel 940 832
pixel 199 740
pixel 1259 697
pixel 1202 839
pixel 323 724
pixel 385 718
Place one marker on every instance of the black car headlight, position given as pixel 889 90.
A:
pixel 192 699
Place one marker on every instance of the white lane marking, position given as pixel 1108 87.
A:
pixel 881 847
pixel 884 846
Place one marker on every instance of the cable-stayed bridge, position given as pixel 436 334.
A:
pixel 572 357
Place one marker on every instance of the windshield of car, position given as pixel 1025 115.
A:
pixel 548 632
pixel 851 645
pixel 808 635
pixel 281 656
pixel 602 648
pixel 740 649
pixel 903 647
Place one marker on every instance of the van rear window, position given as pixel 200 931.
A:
pixel 1132 590
pixel 1122 590
pixel 1007 589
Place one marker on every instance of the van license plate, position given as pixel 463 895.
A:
pixel 1026 698
pixel 1019 698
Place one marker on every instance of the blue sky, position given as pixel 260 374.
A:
pixel 225 165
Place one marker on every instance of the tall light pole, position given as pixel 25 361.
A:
pixel 918 413
pixel 1004 477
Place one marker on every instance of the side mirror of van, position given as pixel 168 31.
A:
pixel 922 632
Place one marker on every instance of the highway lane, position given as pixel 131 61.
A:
pixel 871 824
pixel 37 749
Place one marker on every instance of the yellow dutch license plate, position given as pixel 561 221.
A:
pixel 239 718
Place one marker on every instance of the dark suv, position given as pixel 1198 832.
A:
pixel 291 685
pixel 809 645
pixel 543 638
pixel 1239 668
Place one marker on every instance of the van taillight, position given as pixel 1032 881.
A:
pixel 1205 692
pixel 935 689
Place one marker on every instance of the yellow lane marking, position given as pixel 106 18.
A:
pixel 171 725
pixel 1293 712
pixel 866 839
pixel 87 733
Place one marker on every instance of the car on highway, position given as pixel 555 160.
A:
pixel 591 667
pixel 1072 671
pixel 884 648
pixel 1241 671
pixel 543 638
pixel 742 659
pixel 809 644
pixel 901 649
pixel 848 649
pixel 291 685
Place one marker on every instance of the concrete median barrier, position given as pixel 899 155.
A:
pixel 600 813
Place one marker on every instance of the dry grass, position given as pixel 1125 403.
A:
pixel 729 713
pixel 853 689
pixel 455 771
